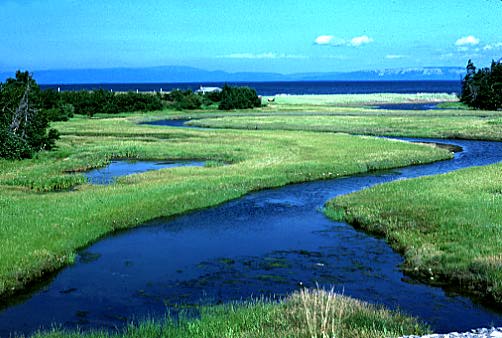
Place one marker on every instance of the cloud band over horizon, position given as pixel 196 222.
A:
pixel 334 41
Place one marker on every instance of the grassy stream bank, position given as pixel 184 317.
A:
pixel 48 211
pixel 448 227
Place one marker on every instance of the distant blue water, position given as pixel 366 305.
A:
pixel 300 87
pixel 408 106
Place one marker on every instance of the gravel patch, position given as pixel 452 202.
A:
pixel 476 333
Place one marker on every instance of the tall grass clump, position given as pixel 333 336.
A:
pixel 323 313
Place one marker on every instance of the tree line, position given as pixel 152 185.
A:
pixel 26 110
pixel 482 88
pixel 230 97
pixel 105 102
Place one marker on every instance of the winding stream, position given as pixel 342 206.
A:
pixel 264 243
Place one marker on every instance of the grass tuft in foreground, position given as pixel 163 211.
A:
pixel 448 226
pixel 307 313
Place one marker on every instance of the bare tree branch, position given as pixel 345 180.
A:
pixel 23 114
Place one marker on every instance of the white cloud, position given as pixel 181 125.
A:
pixel 323 39
pixel 268 55
pixel 492 46
pixel 395 56
pixel 467 40
pixel 331 40
pixel 360 40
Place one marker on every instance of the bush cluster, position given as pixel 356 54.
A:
pixel 23 120
pixel 55 108
pixel 187 99
pixel 213 97
pixel 184 99
pixel 482 88
pixel 238 98
pixel 105 102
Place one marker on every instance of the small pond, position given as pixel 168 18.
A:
pixel 169 123
pixel 117 168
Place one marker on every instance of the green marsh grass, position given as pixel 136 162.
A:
pixel 460 127
pixel 307 313
pixel 448 227
pixel 363 99
pixel 453 105
pixel 44 223
pixel 48 212
pixel 325 110
pixel 344 105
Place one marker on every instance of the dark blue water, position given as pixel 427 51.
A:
pixel 293 87
pixel 107 175
pixel 408 106
pixel 169 123
pixel 261 244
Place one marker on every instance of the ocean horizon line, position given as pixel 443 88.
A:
pixel 267 88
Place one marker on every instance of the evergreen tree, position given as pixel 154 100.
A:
pixel 496 79
pixel 482 88
pixel 23 126
pixel 467 90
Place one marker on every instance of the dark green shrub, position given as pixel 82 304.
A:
pixel 82 102
pixel 132 102
pixel 66 110
pixel 49 99
pixel 482 88
pixel 13 147
pixel 213 96
pixel 176 95
pixel 184 99
pixel 191 101
pixel 61 112
pixel 238 98
pixel 105 102
pixel 23 122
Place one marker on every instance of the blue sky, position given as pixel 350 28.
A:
pixel 271 36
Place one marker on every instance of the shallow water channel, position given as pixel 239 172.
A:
pixel 408 106
pixel 264 243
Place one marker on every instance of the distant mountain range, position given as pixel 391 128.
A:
pixel 393 74
pixel 181 74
